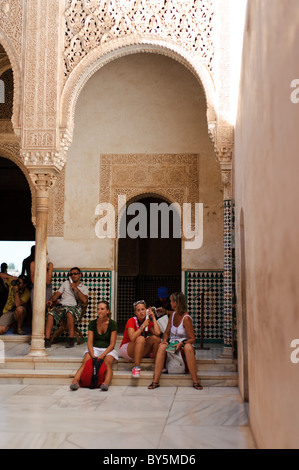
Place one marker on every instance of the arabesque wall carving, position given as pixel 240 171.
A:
pixel 83 35
pixel 91 23
pixel 174 177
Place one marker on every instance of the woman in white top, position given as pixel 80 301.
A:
pixel 180 329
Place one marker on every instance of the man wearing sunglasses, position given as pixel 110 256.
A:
pixel 74 295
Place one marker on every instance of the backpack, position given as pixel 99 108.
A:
pixel 93 374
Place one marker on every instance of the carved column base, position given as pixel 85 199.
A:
pixel 37 348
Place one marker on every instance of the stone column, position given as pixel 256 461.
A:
pixel 40 133
pixel 43 182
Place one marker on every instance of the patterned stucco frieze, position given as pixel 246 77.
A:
pixel 93 23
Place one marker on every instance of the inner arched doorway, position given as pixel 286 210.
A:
pixel 148 257
pixel 15 191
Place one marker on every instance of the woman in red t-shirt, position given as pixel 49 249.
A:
pixel 141 336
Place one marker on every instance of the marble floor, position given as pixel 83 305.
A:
pixel 53 417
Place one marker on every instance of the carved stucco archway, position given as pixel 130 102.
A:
pixel 103 55
pixel 17 77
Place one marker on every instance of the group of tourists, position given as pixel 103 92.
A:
pixel 145 334
pixel 142 338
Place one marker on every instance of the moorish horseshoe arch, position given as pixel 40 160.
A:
pixel 103 55
pixel 17 78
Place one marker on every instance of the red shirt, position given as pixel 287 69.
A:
pixel 133 323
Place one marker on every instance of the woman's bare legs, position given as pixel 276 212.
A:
pixel 191 363
pixel 109 372
pixel 142 346
pixel 159 363
pixel 152 342
pixel 81 368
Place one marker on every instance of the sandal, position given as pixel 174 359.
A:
pixel 104 387
pixel 153 385
pixel 197 386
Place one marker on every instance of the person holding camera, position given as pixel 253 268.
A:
pixel 74 295
pixel 141 336
pixel 18 297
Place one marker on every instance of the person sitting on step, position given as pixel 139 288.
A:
pixel 179 328
pixel 141 336
pixel 74 295
pixel 14 311
pixel 101 340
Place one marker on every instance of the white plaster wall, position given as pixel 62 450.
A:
pixel 266 188
pixel 142 103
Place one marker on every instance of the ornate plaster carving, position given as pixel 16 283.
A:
pixel 99 31
pixel 11 34
pixel 172 177
pixel 91 23
pixel 56 207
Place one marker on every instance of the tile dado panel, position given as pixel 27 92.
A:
pixel 99 286
pixel 211 282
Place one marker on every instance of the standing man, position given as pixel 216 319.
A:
pixel 74 295
pixel 14 310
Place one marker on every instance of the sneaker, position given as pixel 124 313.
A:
pixel 70 343
pixel 47 343
pixel 136 372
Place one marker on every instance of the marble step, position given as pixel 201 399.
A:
pixel 120 378
pixel 62 363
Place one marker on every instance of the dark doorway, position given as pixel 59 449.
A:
pixel 16 224
pixel 146 262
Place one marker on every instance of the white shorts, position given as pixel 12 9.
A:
pixel 98 351
pixel 123 351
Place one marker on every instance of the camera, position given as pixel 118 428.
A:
pixel 15 282
pixel 154 310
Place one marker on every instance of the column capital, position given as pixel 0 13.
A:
pixel 43 181
pixel 226 177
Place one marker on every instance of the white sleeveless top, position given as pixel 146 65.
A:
pixel 178 333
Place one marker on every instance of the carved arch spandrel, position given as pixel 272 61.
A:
pixel 17 78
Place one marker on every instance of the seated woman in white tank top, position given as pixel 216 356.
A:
pixel 179 328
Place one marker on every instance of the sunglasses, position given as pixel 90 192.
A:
pixel 74 274
pixel 139 302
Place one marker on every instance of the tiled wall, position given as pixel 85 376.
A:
pixel 211 283
pixel 99 286
pixel 131 289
